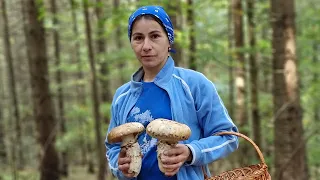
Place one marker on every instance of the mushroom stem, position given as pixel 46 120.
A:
pixel 161 148
pixel 134 153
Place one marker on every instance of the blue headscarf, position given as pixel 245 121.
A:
pixel 159 13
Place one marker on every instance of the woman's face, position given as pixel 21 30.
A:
pixel 150 44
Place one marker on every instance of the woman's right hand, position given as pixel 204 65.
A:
pixel 124 163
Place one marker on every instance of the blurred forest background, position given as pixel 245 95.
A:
pixel 61 61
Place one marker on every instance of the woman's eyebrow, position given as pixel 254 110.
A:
pixel 155 31
pixel 136 33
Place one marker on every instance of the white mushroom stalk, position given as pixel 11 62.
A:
pixel 127 135
pixel 168 133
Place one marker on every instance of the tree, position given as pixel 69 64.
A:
pixel 95 96
pixel 101 48
pixel 240 69
pixel 12 89
pixel 42 101
pixel 174 11
pixel 3 153
pixel 240 80
pixel 121 63
pixel 192 36
pixel 230 58
pixel 286 96
pixel 61 113
pixel 315 79
pixel 80 89
pixel 253 74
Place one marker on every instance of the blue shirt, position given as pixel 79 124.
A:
pixel 153 103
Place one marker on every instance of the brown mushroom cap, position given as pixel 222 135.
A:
pixel 168 130
pixel 116 134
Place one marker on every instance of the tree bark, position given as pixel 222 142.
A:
pixel 315 79
pixel 266 82
pixel 240 81
pixel 95 97
pixel 253 74
pixel 192 36
pixel 80 89
pixel 42 101
pixel 106 95
pixel 240 69
pixel 230 69
pixel 61 114
pixel 18 152
pixel 121 62
pixel 174 10
pixel 3 152
pixel 286 96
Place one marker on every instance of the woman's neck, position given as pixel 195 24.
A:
pixel 149 76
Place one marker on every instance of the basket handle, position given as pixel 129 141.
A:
pixel 239 135
pixel 246 138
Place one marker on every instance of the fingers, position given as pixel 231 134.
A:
pixel 171 160
pixel 178 149
pixel 179 153
pixel 123 152
pixel 172 173
pixel 124 163
pixel 174 158
pixel 171 167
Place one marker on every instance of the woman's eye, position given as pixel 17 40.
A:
pixel 137 38
pixel 155 36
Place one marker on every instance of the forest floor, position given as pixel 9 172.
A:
pixel 75 173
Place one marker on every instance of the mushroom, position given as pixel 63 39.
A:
pixel 168 133
pixel 127 134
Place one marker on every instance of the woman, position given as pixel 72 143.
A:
pixel 161 90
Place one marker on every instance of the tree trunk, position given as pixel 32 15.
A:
pixel 61 116
pixel 101 45
pixel 121 62
pixel 192 36
pixel 79 88
pixel 3 152
pixel 230 69
pixel 240 81
pixel 253 74
pixel 240 69
pixel 286 96
pixel 42 101
pixel 174 10
pixel 18 152
pixel 95 98
pixel 265 82
pixel 315 79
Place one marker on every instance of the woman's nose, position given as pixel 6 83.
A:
pixel 146 45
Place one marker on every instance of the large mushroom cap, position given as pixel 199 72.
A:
pixel 132 128
pixel 168 130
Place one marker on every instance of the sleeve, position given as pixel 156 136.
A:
pixel 114 149
pixel 213 118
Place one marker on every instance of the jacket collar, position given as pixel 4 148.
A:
pixel 162 77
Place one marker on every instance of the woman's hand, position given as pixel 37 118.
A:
pixel 174 158
pixel 124 163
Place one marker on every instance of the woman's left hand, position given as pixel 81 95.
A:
pixel 174 158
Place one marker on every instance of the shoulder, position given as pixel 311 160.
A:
pixel 191 77
pixel 121 92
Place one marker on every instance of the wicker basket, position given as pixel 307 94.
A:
pixel 252 172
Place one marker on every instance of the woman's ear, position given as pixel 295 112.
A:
pixel 169 49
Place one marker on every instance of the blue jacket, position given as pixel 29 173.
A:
pixel 194 102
